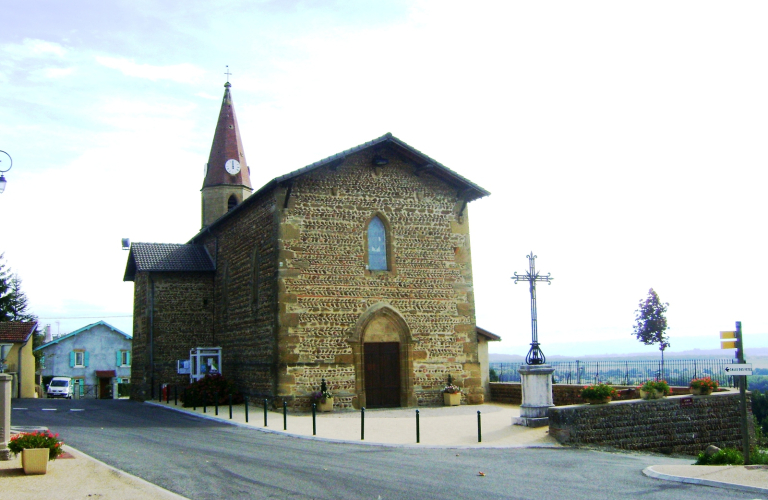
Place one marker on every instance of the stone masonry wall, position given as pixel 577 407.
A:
pixel 325 287
pixel 182 319
pixel 244 305
pixel 676 424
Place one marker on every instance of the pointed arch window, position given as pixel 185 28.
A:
pixel 232 202
pixel 377 245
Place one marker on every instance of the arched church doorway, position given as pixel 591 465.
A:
pixel 382 346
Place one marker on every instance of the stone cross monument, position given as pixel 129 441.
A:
pixel 536 378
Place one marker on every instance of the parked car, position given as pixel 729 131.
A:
pixel 60 387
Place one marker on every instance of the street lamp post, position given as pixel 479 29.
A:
pixel 3 163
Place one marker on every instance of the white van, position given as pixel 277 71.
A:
pixel 60 387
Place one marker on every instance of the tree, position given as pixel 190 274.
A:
pixel 18 302
pixel 651 323
pixel 6 297
pixel 13 300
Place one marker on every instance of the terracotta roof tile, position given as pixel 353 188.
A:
pixel 16 331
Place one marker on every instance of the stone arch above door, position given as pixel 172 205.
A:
pixel 383 323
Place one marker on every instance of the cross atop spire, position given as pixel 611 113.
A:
pixel 228 74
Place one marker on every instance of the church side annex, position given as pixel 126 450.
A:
pixel 356 269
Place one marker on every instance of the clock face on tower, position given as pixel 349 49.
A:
pixel 232 167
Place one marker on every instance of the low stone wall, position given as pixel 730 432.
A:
pixel 676 424
pixel 562 394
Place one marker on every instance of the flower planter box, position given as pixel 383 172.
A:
pixel 651 394
pixel 701 391
pixel 452 399
pixel 325 406
pixel 598 401
pixel 35 460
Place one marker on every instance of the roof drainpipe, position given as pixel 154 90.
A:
pixel 19 369
pixel 151 337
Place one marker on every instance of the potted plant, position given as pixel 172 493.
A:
pixel 451 393
pixel 598 394
pixel 323 398
pixel 703 386
pixel 654 389
pixel 36 449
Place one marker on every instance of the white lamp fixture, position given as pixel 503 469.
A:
pixel 3 163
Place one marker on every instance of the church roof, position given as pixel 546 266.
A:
pixel 423 163
pixel 471 190
pixel 167 257
pixel 16 332
pixel 485 333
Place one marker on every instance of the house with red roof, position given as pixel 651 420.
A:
pixel 16 357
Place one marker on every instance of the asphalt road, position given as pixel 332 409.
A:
pixel 203 459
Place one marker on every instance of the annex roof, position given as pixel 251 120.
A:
pixel 81 330
pixel 469 190
pixel 16 332
pixel 488 335
pixel 167 257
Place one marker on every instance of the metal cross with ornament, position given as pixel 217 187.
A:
pixel 534 356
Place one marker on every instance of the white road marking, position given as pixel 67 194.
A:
pixel 48 409
pixel 77 409
pixel 20 408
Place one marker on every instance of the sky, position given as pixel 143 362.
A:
pixel 623 143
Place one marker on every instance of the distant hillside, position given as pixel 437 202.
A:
pixel 757 356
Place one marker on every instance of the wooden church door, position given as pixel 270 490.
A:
pixel 382 374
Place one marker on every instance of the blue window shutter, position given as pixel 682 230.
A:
pixel 117 357
pixel 128 358
pixel 72 359
pixel 85 359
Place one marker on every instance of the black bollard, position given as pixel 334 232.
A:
pixel 285 416
pixel 246 409
pixel 418 437
pixel 216 402
pixel 479 428
pixel 265 413
pixel 205 405
pixel 362 423
pixel 175 395
pixel 230 406
pixel 167 394
pixel 314 424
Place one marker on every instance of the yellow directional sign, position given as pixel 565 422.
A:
pixel 727 344
pixel 727 335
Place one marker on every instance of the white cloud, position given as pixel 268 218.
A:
pixel 56 72
pixel 31 47
pixel 208 96
pixel 184 73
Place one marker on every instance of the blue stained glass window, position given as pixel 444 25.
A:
pixel 377 246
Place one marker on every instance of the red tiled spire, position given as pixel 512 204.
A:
pixel 227 145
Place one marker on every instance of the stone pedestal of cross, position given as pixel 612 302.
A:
pixel 536 378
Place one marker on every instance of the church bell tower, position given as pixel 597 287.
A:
pixel 227 176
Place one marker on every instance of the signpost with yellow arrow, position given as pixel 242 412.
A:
pixel 740 369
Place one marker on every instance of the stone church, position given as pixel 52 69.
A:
pixel 355 269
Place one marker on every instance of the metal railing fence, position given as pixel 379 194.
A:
pixel 677 372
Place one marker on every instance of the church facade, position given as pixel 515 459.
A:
pixel 355 269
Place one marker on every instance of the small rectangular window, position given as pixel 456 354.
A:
pixel 125 358
pixel 79 359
